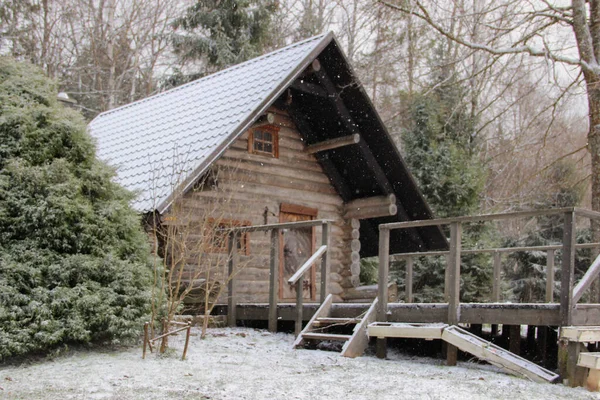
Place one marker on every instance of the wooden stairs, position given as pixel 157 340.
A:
pixel 319 330
pixel 466 342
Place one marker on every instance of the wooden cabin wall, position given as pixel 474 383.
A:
pixel 247 183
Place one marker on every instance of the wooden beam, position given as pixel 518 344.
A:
pixel 372 212
pixel 273 280
pixel 453 290
pixel 334 143
pixel 299 306
pixel 331 171
pixel 370 202
pixel 497 277
pixel 308 88
pixel 550 276
pixel 382 296
pixel 231 270
pixel 325 260
pixel 567 269
pixel 408 281
pixel 307 265
pixel 587 280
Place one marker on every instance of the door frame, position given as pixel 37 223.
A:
pixel 289 208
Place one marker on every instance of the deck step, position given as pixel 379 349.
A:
pixel 325 336
pixel 336 321
pixel 406 330
pixel 581 334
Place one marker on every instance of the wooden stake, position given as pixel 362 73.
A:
pixel 187 341
pixel 145 340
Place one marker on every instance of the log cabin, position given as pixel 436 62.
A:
pixel 288 136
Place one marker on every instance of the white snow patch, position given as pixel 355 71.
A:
pixel 251 364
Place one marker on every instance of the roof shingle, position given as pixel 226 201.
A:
pixel 159 142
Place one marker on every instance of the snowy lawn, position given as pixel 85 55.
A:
pixel 251 364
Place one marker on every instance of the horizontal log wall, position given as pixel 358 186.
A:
pixel 247 183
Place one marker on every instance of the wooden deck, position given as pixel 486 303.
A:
pixel 538 314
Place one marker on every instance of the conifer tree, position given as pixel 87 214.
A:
pixel 73 257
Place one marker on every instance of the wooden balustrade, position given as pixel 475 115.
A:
pixel 569 296
pixel 275 229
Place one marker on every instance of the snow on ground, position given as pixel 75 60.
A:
pixel 250 364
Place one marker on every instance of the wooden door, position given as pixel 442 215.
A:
pixel 295 247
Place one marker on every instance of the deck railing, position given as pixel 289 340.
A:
pixel 569 296
pixel 322 254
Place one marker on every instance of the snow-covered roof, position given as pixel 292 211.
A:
pixel 163 143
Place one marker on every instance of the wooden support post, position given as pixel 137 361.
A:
pixel 232 264
pixel 542 344
pixel 550 276
pixel 382 295
pixel 514 341
pixel 145 340
pixel 567 270
pixel 187 341
pixel 408 282
pixel 496 284
pixel 299 305
pixel 453 289
pixel 325 241
pixel 531 335
pixel 273 280
pixel 575 375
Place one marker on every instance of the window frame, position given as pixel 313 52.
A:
pixel 244 247
pixel 274 131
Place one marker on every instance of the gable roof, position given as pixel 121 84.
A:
pixel 173 137
pixel 162 144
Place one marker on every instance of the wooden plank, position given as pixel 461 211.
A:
pixel 385 210
pixel 567 269
pixel 273 280
pixel 496 355
pixel 359 341
pixel 371 201
pixel 581 334
pixel 510 313
pixel 283 225
pixel 476 218
pixel 578 246
pixel 550 276
pixel 331 144
pixel 575 374
pixel 325 336
pixel 586 314
pixel 496 280
pixel 325 260
pixel 514 338
pixel 587 280
pixel 408 282
pixel 231 269
pixel 336 321
pixel 299 308
pixel 322 311
pixel 297 209
pixel 307 265
pixel 589 360
pixel 406 330
pixel 382 296
pixel 453 281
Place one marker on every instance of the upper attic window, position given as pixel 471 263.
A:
pixel 264 140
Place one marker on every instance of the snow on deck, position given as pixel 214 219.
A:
pixel 250 364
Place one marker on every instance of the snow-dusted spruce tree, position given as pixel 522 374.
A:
pixel 73 256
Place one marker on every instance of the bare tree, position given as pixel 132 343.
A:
pixel 563 36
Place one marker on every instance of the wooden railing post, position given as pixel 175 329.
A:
pixel 496 284
pixel 408 282
pixel 550 276
pixel 232 264
pixel 325 240
pixel 382 293
pixel 567 270
pixel 299 305
pixel 453 290
pixel 273 280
